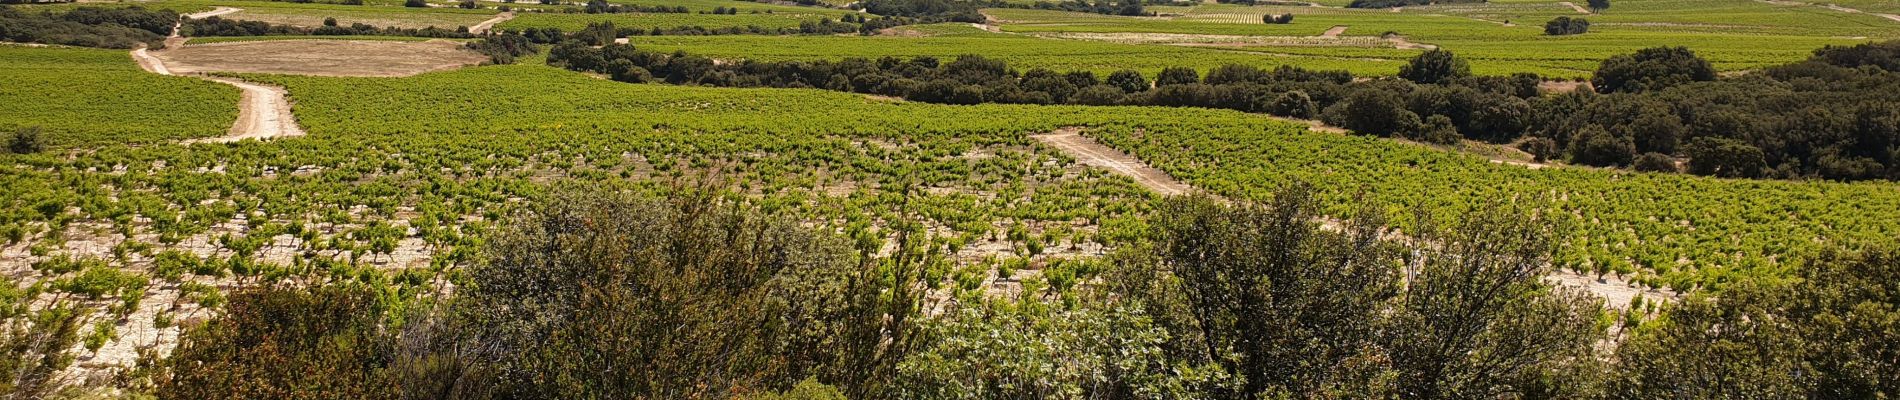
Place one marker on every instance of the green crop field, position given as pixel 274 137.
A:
pixel 921 226
pixel 1026 52
pixel 1735 35
pixel 90 97
pixel 572 22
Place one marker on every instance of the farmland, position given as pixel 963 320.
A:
pixel 114 101
pixel 953 200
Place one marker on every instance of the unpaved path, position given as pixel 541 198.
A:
pixel 1574 6
pixel 483 27
pixel 214 12
pixel 1830 6
pixel 1837 7
pixel 1334 32
pixel 263 111
pixel 1071 142
pixel 1615 292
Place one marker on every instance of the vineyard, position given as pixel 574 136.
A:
pixel 574 22
pixel 962 226
pixel 86 98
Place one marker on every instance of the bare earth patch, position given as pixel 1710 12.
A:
pixel 1087 151
pixel 1334 32
pixel 1616 292
pixel 321 57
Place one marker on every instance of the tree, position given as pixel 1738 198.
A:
pixel 26 140
pixel 1849 305
pixel 691 296
pixel 1654 162
pixel 1437 129
pixel 1297 304
pixel 1731 347
pixel 1435 66
pixel 1651 69
pixel 316 343
pixel 35 342
pixel 1540 148
pixel 415 3
pixel 1724 157
pixel 1177 76
pixel 1593 145
pixel 1372 112
pixel 1597 6
pixel 1477 320
pixel 1564 25
pixel 1831 334
pixel 1293 104
pixel 1129 81
pixel 623 70
pixel 1099 95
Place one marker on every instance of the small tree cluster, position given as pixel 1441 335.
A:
pixel 1566 26
pixel 1286 18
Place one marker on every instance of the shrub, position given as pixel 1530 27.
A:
pixel 1651 69
pixel 1654 162
pixel 1566 26
pixel 1435 66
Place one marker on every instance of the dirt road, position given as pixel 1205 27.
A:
pixel 214 12
pixel 1574 6
pixel 1615 292
pixel 483 27
pixel 263 111
pixel 1086 150
pixel 1334 32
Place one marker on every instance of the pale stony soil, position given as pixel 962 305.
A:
pixel 1616 292
pixel 490 23
pixel 448 21
pixel 321 57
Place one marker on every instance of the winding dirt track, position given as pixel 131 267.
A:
pixel 483 27
pixel 1615 292
pixel 1334 32
pixel 214 12
pixel 263 111
pixel 1086 150
pixel 1574 6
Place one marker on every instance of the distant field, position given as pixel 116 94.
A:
pixel 1732 34
pixel 1022 52
pixel 91 97
pixel 578 21
pixel 313 14
pixel 745 7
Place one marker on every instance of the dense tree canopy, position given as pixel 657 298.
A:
pixel 1651 69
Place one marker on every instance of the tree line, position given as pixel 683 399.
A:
pixel 700 295
pixel 1835 116
pixel 220 26
pixel 117 28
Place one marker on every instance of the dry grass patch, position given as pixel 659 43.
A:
pixel 321 57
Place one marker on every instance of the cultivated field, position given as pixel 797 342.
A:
pixel 953 200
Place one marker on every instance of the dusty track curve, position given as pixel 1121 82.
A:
pixel 490 23
pixel 1086 150
pixel 1615 292
pixel 1334 32
pixel 1574 6
pixel 263 111
pixel 214 12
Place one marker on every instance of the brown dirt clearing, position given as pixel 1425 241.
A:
pixel 321 57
